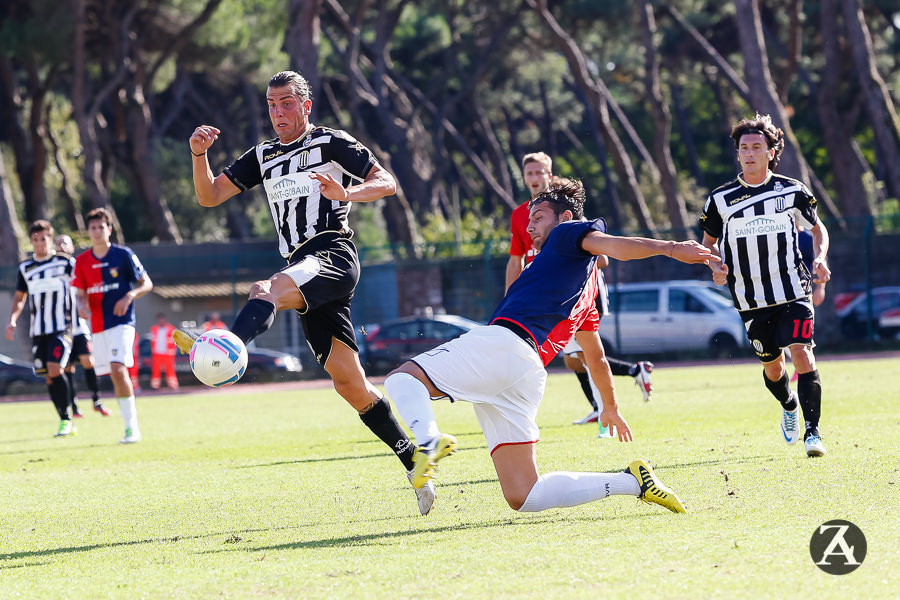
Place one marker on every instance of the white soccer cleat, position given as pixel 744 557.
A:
pixel 132 436
pixel 814 446
pixel 790 423
pixel 66 429
pixel 642 379
pixel 424 495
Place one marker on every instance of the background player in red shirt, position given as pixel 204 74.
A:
pixel 537 171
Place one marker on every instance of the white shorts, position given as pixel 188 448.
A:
pixel 499 373
pixel 572 347
pixel 114 345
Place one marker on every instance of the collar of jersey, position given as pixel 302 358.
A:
pixel 769 174
pixel 300 137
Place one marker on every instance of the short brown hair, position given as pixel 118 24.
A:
pixel 761 124
pixel 40 226
pixel 294 80
pixel 99 214
pixel 566 194
pixel 538 157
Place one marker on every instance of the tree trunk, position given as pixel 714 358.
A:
pixel 10 230
pixel 146 173
pixel 85 116
pixel 764 99
pixel 883 116
pixel 67 191
pixel 847 166
pixel 598 98
pixel 662 122
pixel 794 53
pixel 301 42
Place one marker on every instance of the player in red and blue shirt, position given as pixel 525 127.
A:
pixel 499 368
pixel 108 279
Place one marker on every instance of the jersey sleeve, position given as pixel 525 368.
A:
pixel 518 244
pixel 710 219
pixel 245 172
pixel 350 155
pixel 137 269
pixel 807 205
pixel 21 284
pixel 78 276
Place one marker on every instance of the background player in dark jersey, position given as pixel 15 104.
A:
pixel 82 345
pixel 500 368
pixel 312 175
pixel 537 172
pixel 109 278
pixel 752 221
pixel 43 280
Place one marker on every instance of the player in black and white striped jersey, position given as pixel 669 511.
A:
pixel 44 282
pixel 311 176
pixel 752 221
pixel 82 346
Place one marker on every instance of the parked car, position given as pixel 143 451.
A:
pixel 262 364
pixel 17 377
pixel 889 323
pixel 854 315
pixel 394 342
pixel 672 316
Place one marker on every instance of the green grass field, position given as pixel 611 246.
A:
pixel 287 495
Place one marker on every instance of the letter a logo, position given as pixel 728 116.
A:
pixel 838 547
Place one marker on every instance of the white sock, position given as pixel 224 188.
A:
pixel 129 412
pixel 411 398
pixel 563 488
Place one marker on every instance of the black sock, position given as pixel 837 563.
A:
pixel 59 394
pixel 809 389
pixel 254 319
pixel 380 419
pixel 586 388
pixel 781 389
pixel 90 376
pixel 73 392
pixel 621 368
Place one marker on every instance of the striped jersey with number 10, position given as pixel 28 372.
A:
pixel 49 296
pixel 298 209
pixel 756 226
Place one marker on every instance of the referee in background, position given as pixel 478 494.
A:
pixel 752 221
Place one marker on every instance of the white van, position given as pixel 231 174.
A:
pixel 670 316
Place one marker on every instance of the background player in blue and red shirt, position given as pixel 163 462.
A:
pixel 499 368
pixel 108 278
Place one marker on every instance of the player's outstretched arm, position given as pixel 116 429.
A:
pixel 17 306
pixel 211 191
pixel 636 248
pixel 598 368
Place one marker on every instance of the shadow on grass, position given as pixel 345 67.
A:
pixel 718 461
pixel 301 461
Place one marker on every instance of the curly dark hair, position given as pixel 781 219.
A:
pixel 293 80
pixel 563 195
pixel 761 124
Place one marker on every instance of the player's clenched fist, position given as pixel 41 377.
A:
pixel 202 138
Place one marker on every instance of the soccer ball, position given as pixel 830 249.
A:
pixel 218 358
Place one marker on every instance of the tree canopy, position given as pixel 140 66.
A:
pixel 98 99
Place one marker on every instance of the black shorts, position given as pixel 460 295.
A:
pixel 82 345
pixel 326 271
pixel 52 348
pixel 773 328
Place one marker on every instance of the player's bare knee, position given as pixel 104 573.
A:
pixel 515 499
pixel 261 289
pixel 53 370
pixel 407 367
